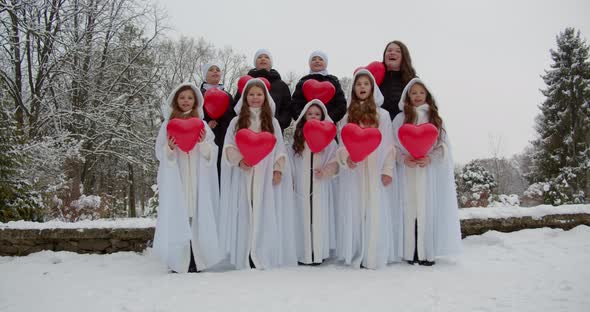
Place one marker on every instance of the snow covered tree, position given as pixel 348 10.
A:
pixel 17 199
pixel 562 150
pixel 474 186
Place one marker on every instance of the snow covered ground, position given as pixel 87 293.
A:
pixel 531 270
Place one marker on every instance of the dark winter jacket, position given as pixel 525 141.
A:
pixel 336 106
pixel 391 88
pixel 280 93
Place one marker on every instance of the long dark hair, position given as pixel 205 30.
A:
pixel 410 110
pixel 177 112
pixel 265 116
pixel 406 68
pixel 366 112
pixel 298 139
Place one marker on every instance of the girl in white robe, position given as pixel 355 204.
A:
pixel 186 231
pixel 256 210
pixel 314 201
pixel 368 230
pixel 426 185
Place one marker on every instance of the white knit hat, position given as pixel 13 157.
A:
pixel 259 53
pixel 205 69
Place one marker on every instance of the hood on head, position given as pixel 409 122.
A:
pixel 400 105
pixel 310 103
pixel 271 102
pixel 377 95
pixel 167 109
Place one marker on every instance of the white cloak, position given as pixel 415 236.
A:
pixel 187 186
pixel 314 208
pixel 427 196
pixel 256 219
pixel 368 223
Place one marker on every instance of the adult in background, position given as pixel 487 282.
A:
pixel 279 91
pixel 212 78
pixel 399 71
pixel 318 70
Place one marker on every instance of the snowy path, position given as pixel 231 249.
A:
pixel 530 270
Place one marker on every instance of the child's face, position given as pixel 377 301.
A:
pixel 362 88
pixel 186 100
pixel 255 97
pixel 313 112
pixel 213 75
pixel 263 62
pixel 393 57
pixel 417 95
pixel 317 64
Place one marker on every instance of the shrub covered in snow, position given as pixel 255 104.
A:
pixel 504 200
pixel 474 186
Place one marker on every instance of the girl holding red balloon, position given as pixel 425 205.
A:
pixel 319 84
pixel 256 209
pixel 365 226
pixel 218 105
pixel 313 161
pixel 186 232
pixel 426 179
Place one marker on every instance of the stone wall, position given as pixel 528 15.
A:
pixel 19 242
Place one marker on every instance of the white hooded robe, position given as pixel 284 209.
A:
pixel 256 218
pixel 427 195
pixel 188 200
pixel 368 223
pixel 314 199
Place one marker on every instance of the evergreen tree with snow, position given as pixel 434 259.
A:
pixel 18 201
pixel 475 185
pixel 562 150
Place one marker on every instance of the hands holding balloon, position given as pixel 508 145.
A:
pixel 413 162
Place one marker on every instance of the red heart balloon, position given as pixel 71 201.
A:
pixel 254 146
pixel 323 91
pixel 377 69
pixel 418 139
pixel 216 102
pixel 360 142
pixel 318 134
pixel 244 79
pixel 186 132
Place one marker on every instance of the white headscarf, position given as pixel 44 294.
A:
pixel 167 109
pixel 259 53
pixel 407 89
pixel 324 57
pixel 271 102
pixel 377 95
pixel 309 104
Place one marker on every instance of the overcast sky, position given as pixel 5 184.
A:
pixel 481 59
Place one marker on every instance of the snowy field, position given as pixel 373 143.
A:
pixel 531 270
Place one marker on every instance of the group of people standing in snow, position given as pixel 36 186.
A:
pixel 296 206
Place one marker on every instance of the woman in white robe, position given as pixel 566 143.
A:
pixel 314 202
pixel 368 229
pixel 427 188
pixel 256 220
pixel 188 197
